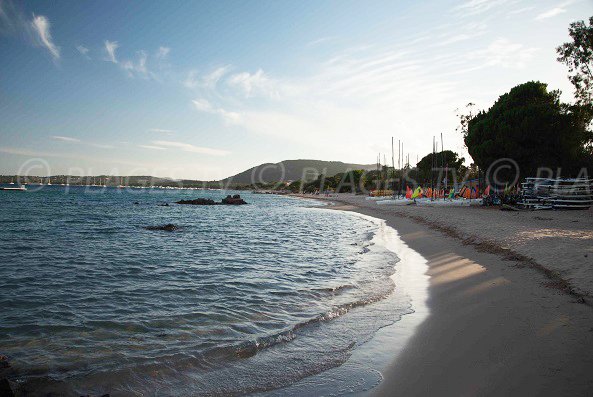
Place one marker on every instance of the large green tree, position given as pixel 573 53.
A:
pixel 578 56
pixel 432 166
pixel 530 125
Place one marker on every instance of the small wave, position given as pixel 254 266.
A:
pixel 250 348
pixel 336 289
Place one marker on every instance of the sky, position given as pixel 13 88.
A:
pixel 203 90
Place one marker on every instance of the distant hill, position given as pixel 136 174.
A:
pixel 292 170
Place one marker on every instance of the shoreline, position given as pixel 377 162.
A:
pixel 497 325
pixel 362 372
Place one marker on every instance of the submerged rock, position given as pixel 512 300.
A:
pixel 228 200
pixel 198 201
pixel 169 227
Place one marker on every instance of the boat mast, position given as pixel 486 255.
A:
pixel 393 166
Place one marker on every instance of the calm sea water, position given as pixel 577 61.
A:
pixel 238 300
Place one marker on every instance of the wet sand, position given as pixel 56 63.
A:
pixel 500 322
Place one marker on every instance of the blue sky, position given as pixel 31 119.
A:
pixel 206 89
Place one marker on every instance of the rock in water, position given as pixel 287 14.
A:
pixel 169 227
pixel 234 200
pixel 229 200
pixel 199 201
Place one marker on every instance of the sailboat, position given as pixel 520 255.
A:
pixel 19 188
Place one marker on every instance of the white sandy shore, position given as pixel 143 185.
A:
pixel 499 324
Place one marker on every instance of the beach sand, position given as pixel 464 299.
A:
pixel 509 301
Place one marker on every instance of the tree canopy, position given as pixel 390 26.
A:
pixel 446 159
pixel 530 125
pixel 578 56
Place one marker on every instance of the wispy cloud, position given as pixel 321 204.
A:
pixel 65 138
pixel 41 28
pixel 70 139
pixel 474 7
pixel 253 83
pixel 151 147
pixel 206 81
pixel 320 40
pixel 162 52
pixel 186 147
pixel 521 10
pixel 191 81
pixel 505 53
pixel 83 51
pixel 139 67
pixel 550 13
pixel 162 131
pixel 110 48
pixel 101 145
pixel 204 105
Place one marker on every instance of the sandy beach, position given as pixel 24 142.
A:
pixel 509 301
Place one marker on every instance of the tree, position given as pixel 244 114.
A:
pixel 446 159
pixel 578 56
pixel 530 125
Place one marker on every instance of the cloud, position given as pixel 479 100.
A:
pixel 137 68
pixel 186 147
pixel 455 39
pixel 65 138
pixel 100 146
pixel 203 105
pixel 550 13
pixel 83 51
pixel 321 40
pixel 41 28
pixel 207 81
pixel 211 79
pixel 162 52
pixel 474 7
pixel 252 84
pixel 162 131
pixel 110 48
pixel 152 147
pixel 76 140
pixel 191 79
pixel 505 53
pixel 521 10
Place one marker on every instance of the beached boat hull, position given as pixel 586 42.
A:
pixel 395 202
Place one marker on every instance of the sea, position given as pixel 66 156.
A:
pixel 235 300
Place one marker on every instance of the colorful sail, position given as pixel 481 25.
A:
pixel 417 193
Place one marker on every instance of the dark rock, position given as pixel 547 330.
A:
pixel 45 386
pixel 169 227
pixel 234 200
pixel 5 389
pixel 136 203
pixel 198 201
pixel 4 361
pixel 229 200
